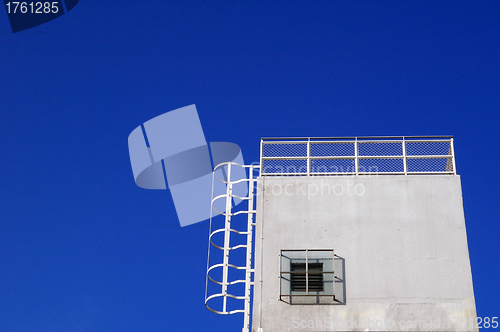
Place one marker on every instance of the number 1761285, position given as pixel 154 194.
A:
pixel 32 7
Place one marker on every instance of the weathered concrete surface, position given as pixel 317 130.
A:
pixel 403 239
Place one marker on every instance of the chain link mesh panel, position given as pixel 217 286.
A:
pixel 380 149
pixel 430 165
pixel 381 165
pixel 333 166
pixel 332 149
pixel 428 148
pixel 284 150
pixel 286 166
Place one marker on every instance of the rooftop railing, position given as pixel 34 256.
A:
pixel 315 156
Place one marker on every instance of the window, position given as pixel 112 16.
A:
pixel 308 277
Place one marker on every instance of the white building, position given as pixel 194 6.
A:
pixel 357 234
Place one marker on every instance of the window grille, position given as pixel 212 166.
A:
pixel 311 276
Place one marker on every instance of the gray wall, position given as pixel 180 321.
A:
pixel 403 239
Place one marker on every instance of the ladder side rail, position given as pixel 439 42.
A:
pixel 248 279
pixel 227 234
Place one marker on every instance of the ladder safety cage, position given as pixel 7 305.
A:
pixel 229 231
pixel 315 156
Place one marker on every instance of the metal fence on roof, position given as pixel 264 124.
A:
pixel 357 156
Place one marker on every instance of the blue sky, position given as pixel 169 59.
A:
pixel 82 248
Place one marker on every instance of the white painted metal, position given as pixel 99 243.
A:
pixel 356 156
pixel 355 142
pixel 249 270
pixel 260 160
pixel 308 157
pixel 227 235
pixel 226 248
pixel 452 152
pixel 405 162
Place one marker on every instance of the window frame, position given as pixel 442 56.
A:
pixel 325 295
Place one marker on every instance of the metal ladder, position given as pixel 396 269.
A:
pixel 226 248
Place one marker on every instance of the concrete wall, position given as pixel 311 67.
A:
pixel 403 239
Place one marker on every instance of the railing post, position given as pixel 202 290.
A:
pixel 452 148
pixel 308 156
pixel 405 161
pixel 261 161
pixel 356 160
